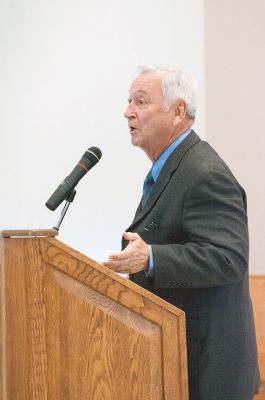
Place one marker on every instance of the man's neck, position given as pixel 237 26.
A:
pixel 155 153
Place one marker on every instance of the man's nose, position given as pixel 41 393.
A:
pixel 130 111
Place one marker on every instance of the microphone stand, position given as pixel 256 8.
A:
pixel 69 199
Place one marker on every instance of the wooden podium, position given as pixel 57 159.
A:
pixel 71 329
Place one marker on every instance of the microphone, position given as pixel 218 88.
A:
pixel 88 160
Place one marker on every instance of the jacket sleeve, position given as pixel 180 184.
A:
pixel 215 222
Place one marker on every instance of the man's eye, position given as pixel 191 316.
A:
pixel 141 101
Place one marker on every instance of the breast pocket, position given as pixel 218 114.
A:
pixel 153 233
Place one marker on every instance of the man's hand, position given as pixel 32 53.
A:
pixel 134 258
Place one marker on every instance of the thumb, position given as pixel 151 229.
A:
pixel 130 236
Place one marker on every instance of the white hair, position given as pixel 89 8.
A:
pixel 175 84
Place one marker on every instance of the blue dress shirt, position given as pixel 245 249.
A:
pixel 156 169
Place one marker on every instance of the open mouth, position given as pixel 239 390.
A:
pixel 132 129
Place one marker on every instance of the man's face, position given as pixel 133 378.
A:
pixel 150 125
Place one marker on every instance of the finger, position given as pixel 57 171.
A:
pixel 116 266
pixel 131 236
pixel 122 255
pixel 116 263
pixel 119 256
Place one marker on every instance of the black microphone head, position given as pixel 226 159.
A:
pixel 93 154
pixel 88 161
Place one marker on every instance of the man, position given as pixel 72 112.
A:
pixel 188 242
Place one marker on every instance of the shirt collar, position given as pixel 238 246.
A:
pixel 159 163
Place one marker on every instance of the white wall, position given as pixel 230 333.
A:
pixel 64 76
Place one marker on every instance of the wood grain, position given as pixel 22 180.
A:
pixel 175 357
pixel 72 329
pixel 95 329
pixel 25 320
pixel 29 233
pixel 2 325
pixel 257 291
pixel 76 330
pixel 105 281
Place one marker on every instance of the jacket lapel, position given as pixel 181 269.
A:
pixel 170 166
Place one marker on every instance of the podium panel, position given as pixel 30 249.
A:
pixel 71 329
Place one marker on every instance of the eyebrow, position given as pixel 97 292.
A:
pixel 138 92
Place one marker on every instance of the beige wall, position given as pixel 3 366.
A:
pixel 235 103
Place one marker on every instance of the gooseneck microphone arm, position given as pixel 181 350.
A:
pixel 69 199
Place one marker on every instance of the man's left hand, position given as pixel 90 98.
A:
pixel 134 258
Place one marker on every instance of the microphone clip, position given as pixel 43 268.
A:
pixel 69 199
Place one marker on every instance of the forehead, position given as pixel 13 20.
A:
pixel 149 83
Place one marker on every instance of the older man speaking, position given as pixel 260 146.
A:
pixel 188 242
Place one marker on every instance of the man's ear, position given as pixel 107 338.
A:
pixel 180 111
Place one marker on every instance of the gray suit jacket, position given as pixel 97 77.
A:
pixel 196 221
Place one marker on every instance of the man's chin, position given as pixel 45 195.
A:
pixel 135 141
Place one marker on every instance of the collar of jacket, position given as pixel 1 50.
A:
pixel 170 166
